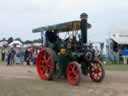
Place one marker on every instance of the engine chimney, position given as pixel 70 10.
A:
pixel 84 27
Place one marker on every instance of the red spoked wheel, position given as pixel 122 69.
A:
pixel 73 73
pixel 96 71
pixel 45 64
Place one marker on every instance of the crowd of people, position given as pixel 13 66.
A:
pixel 20 55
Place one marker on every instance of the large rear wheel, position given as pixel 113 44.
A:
pixel 96 71
pixel 45 64
pixel 73 73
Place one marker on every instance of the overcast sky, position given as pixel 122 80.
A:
pixel 19 17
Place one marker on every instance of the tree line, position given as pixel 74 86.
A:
pixel 11 39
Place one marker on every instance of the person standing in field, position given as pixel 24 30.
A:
pixel 26 56
pixel 3 53
pixel 10 57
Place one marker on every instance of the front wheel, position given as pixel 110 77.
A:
pixel 96 71
pixel 73 73
pixel 45 64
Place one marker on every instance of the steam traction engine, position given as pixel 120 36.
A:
pixel 68 58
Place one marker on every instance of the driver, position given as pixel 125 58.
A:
pixel 51 36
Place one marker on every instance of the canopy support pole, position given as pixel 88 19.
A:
pixel 42 38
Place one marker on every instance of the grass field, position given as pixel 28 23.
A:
pixel 116 67
pixel 110 67
pixel 24 81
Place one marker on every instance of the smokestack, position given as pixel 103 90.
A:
pixel 84 27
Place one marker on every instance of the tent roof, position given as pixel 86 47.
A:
pixel 15 42
pixel 36 44
pixel 120 38
pixel 27 45
pixel 121 41
pixel 62 27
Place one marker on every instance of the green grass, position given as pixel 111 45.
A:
pixel 110 67
pixel 1 62
pixel 116 67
